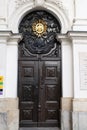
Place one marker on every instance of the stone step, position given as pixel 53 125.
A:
pixel 39 128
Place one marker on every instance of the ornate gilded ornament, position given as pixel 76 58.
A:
pixel 39 27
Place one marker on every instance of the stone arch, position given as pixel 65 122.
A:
pixel 59 13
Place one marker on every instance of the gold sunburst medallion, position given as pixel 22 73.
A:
pixel 39 27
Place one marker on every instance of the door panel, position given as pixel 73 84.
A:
pixel 28 92
pixel 49 93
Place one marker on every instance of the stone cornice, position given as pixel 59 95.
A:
pixel 72 35
pixel 77 34
pixel 7 37
pixel 15 38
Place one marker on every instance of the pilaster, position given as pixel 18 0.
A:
pixel 8 62
pixel 77 115
pixel 12 65
pixel 78 42
pixel 3 52
pixel 67 71
pixel 9 113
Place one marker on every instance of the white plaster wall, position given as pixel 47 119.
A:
pixel 3 14
pixel 80 20
pixel 2 9
pixel 11 71
pixel 8 63
pixel 67 74
pixel 80 9
pixel 3 65
pixel 78 48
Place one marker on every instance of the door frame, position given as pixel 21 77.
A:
pixel 13 23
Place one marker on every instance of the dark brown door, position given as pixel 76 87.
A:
pixel 28 93
pixel 49 93
pixel 39 93
pixel 39 76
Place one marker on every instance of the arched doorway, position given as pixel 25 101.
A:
pixel 39 70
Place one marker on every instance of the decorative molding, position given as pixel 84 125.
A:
pixel 73 35
pixel 8 36
pixel 41 2
pixel 22 2
pixel 57 2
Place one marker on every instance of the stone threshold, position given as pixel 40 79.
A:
pixel 39 128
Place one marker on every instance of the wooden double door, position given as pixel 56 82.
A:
pixel 39 82
pixel 39 93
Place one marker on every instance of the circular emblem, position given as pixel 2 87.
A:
pixel 39 27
